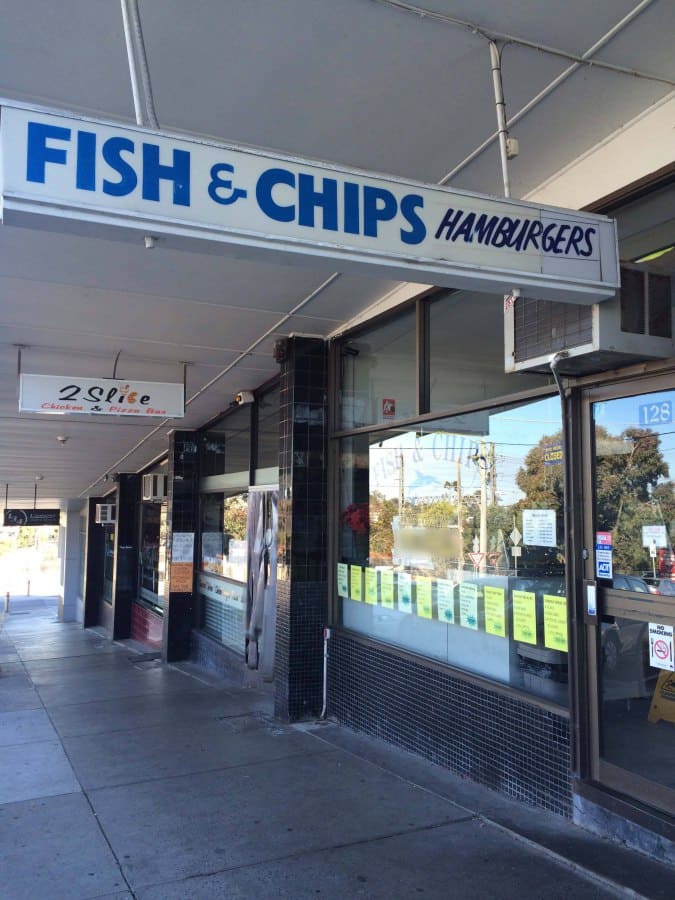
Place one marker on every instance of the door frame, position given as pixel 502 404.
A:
pixel 608 775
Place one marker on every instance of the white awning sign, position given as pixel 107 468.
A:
pixel 62 394
pixel 102 173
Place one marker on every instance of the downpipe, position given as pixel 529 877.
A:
pixel 326 638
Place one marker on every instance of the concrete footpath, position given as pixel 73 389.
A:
pixel 122 778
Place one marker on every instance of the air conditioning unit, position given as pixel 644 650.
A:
pixel 635 325
pixel 154 487
pixel 105 514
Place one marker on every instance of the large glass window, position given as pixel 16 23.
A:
pixel 267 448
pixel 451 543
pixel 466 351
pixel 223 567
pixel 378 377
pixel 152 555
pixel 226 448
pixel 108 562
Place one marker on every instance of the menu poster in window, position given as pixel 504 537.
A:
pixel 495 610
pixel 445 600
pixel 371 586
pixel 182 547
pixel 342 580
pixel 539 528
pixel 212 545
pixel 524 617
pixel 404 592
pixel 468 605
pixel 387 589
pixel 424 601
pixel 555 622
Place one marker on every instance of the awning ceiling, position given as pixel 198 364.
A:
pixel 359 82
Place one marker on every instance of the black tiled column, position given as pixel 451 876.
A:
pixel 301 575
pixel 93 565
pixel 182 495
pixel 125 573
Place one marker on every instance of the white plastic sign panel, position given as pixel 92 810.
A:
pixel 61 394
pixel 603 554
pixel 661 646
pixel 85 170
pixel 654 536
pixel 539 528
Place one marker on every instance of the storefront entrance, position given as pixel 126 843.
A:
pixel 630 526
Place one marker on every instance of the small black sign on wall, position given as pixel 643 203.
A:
pixel 32 517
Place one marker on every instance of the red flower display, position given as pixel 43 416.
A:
pixel 356 517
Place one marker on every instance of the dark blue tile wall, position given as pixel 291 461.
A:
pixel 302 574
pixel 518 749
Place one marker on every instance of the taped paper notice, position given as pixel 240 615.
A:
pixel 524 617
pixel 355 583
pixel 342 580
pixel 495 610
pixel 424 603
pixel 555 622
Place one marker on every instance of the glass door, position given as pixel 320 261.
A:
pixel 630 524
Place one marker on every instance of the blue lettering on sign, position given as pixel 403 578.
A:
pixel 558 238
pixel 121 165
pixel 118 153
pixel 363 207
pixel 603 569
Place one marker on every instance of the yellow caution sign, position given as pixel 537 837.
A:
pixel 663 701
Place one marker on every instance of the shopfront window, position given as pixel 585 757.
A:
pixel 451 543
pixel 223 567
pixel 267 445
pixel 152 555
pixel 226 449
pixel 108 562
pixel 378 374
pixel 466 351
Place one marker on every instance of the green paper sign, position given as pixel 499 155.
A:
pixel 524 617
pixel 356 589
pixel 424 603
pixel 371 586
pixel 495 610
pixel 404 592
pixel 555 622
pixel 445 600
pixel 387 589
pixel 343 580
pixel 468 605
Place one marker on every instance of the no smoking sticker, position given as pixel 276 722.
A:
pixel 661 646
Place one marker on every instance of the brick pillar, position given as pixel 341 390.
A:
pixel 125 577
pixel 302 591
pixel 181 519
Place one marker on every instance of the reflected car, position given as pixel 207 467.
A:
pixel 624 641
pixel 663 586
pixel 630 583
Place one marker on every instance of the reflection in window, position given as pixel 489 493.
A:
pixel 634 495
pixel 226 449
pixel 466 351
pixel 379 374
pixel 451 542
pixel 267 455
